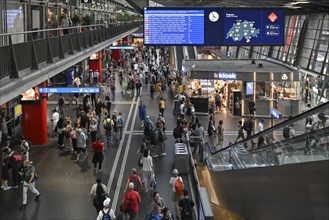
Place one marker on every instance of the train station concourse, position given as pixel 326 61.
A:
pixel 164 110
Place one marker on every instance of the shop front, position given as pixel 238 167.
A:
pixel 227 87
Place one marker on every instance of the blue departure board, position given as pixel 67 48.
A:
pixel 69 90
pixel 169 27
pixel 213 26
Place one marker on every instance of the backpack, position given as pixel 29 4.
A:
pixel 153 137
pixel 179 186
pixel 108 125
pixel 177 133
pixel 61 101
pixel 161 137
pixel 106 216
pixel 120 122
pixel 286 132
pixel 136 182
pixel 17 157
pixel 246 126
pixel 186 210
pixel 149 216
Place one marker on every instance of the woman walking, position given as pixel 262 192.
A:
pixel 220 133
pixel 147 170
pixel 98 148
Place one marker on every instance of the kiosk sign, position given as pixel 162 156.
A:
pixel 225 75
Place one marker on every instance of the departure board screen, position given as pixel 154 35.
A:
pixel 174 27
pixel 213 26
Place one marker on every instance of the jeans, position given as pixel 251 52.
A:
pixel 32 188
pixel 120 130
pixel 109 136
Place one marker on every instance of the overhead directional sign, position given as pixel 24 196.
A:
pixel 69 90
pixel 121 47
pixel 275 113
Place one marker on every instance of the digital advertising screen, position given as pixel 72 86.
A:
pixel 213 26
pixel 249 88
pixel 31 95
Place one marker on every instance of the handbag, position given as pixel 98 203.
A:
pixel 140 161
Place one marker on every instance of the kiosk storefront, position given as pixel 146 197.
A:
pixel 271 85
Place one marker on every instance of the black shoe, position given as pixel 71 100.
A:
pixel 22 207
pixel 37 197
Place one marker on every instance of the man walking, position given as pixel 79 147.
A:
pixel 29 182
pixel 61 104
pixel 162 106
pixel 186 207
pixel 108 126
pixel 81 144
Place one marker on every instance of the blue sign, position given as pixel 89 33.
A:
pixel 69 90
pixel 170 27
pixel 121 47
pixel 253 27
pixel 275 113
pixel 249 88
pixel 213 26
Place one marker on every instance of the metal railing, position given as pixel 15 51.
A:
pixel 272 147
pixel 46 45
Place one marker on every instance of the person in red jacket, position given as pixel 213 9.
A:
pixel 131 201
pixel 98 157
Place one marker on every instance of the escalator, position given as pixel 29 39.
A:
pixel 179 57
pixel 284 178
pixel 191 53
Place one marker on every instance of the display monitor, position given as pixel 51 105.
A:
pixel 249 88
pixel 32 95
pixel 213 26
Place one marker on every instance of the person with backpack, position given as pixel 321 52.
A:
pixel 186 207
pixel 120 125
pixel 177 185
pixel 106 213
pixel 138 85
pixel 108 126
pixel 134 178
pixel 148 130
pixel 159 140
pixel 130 203
pixel 152 90
pixel 98 194
pixel 248 126
pixel 162 106
pixel 107 104
pixel 61 104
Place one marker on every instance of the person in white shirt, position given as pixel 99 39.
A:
pixel 106 210
pixel 54 120
pixel 147 170
pixel 260 128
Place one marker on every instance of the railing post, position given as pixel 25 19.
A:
pixel 34 57
pixel 49 51
pixel 61 48
pixel 78 41
pixel 91 39
pixel 14 67
pixel 71 50
pixel 85 45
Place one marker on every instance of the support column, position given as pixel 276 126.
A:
pixel 125 41
pixel 116 55
pixel 34 121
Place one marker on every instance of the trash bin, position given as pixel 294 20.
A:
pixel 181 158
pixel 176 107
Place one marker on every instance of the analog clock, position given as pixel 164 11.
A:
pixel 213 16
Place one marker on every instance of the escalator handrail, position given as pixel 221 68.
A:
pixel 296 118
pixel 296 139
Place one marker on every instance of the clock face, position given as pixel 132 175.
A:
pixel 213 16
